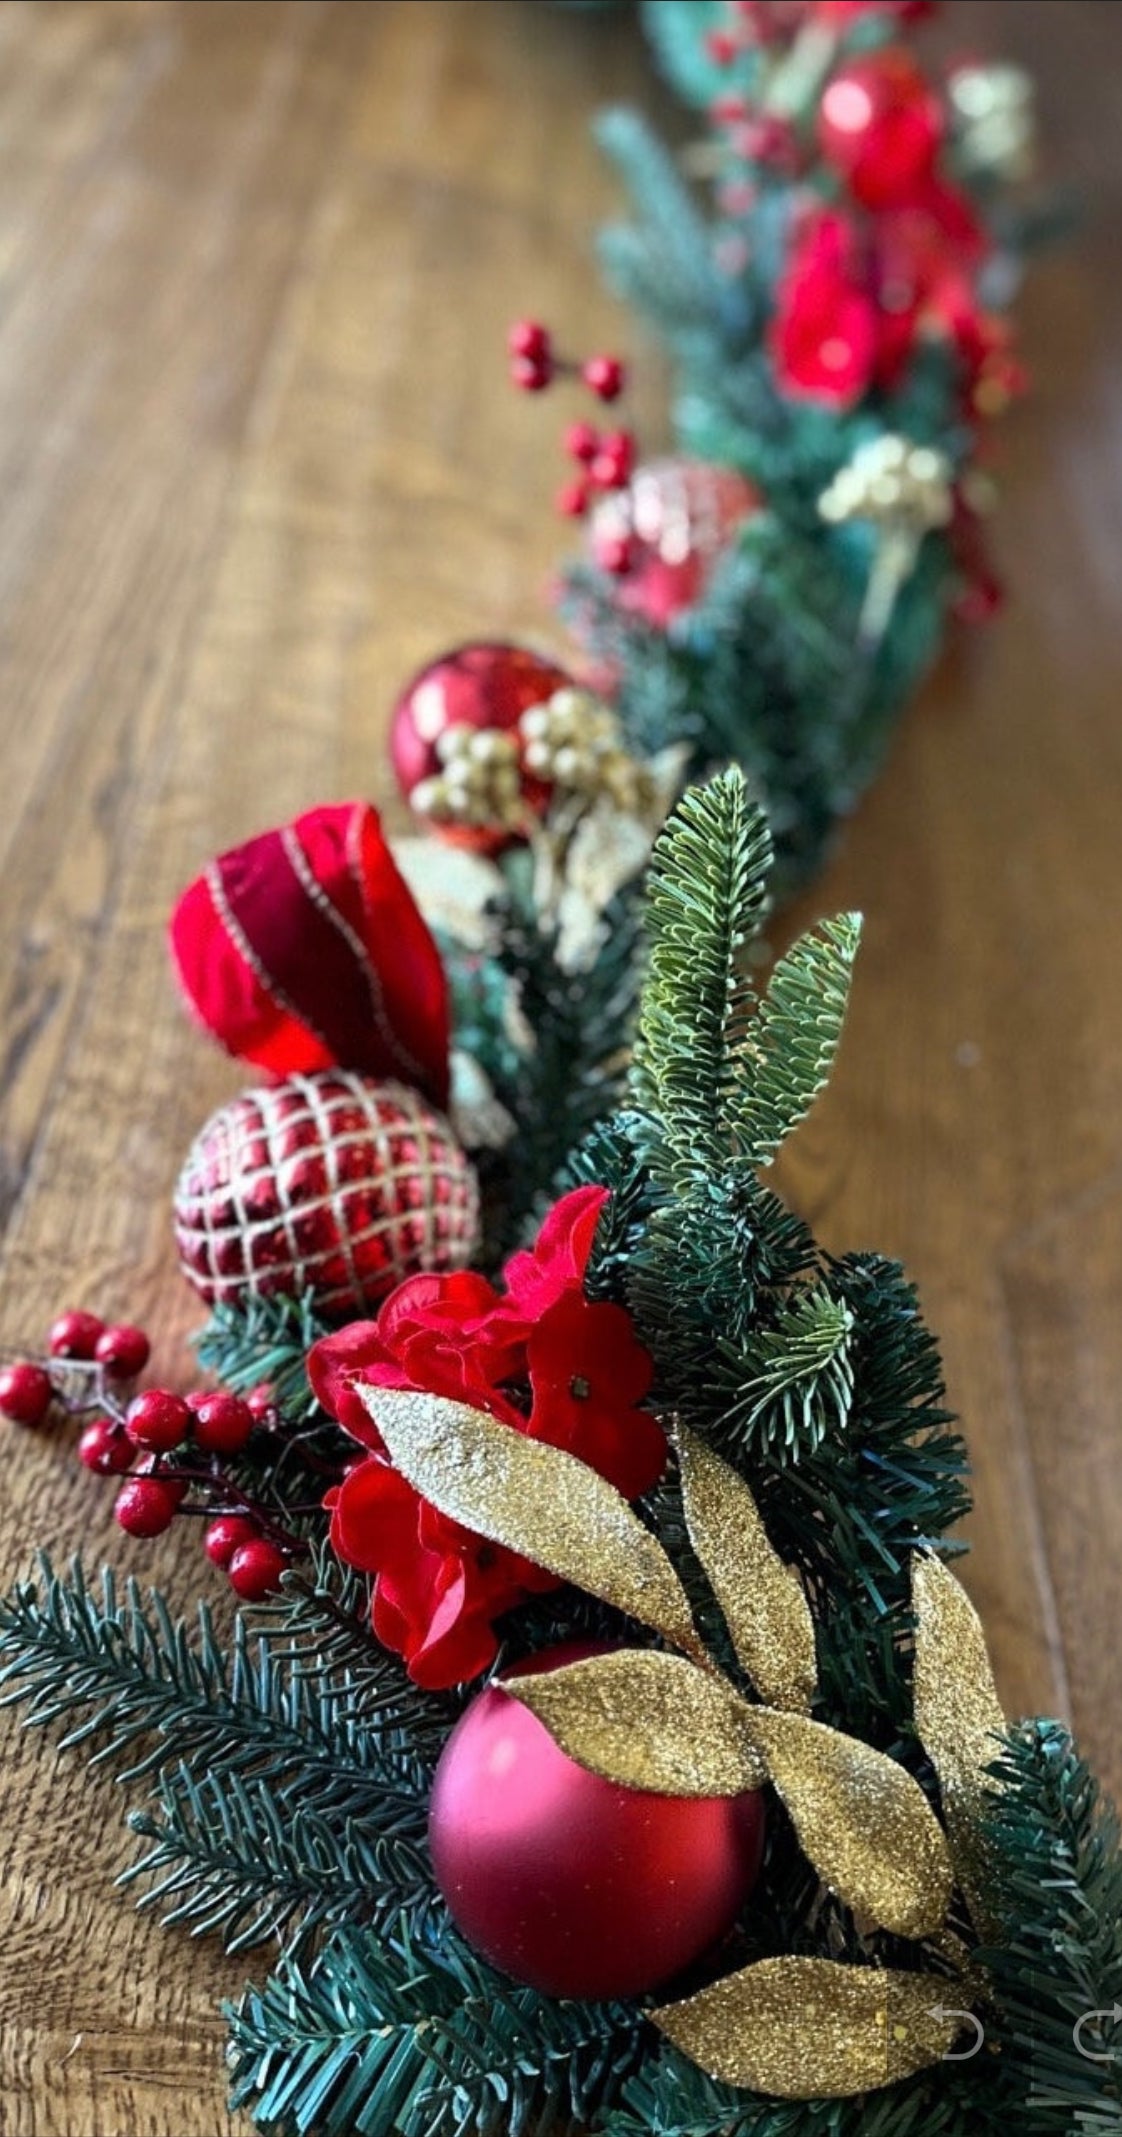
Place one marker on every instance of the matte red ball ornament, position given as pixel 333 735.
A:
pixel 881 125
pixel 563 1880
pixel 333 1184
pixel 479 685
pixel 678 517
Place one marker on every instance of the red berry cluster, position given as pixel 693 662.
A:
pixel 604 460
pixel 117 1352
pixel 535 363
pixel 167 1446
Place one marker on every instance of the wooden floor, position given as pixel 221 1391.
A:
pixel 257 459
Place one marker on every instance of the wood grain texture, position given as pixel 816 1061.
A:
pixel 257 459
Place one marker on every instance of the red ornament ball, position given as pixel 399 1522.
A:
pixel 677 518
pixel 563 1880
pixel 332 1184
pixel 483 684
pixel 880 125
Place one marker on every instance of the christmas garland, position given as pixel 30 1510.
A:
pixel 829 268
pixel 606 1741
pixel 734 1840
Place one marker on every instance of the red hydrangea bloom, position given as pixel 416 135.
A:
pixel 825 333
pixel 853 302
pixel 542 1358
pixel 842 14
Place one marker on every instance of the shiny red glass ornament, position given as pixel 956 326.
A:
pixel 678 517
pixel 563 1880
pixel 880 124
pixel 482 684
pixel 332 1184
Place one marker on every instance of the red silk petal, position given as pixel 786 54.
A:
pixel 304 948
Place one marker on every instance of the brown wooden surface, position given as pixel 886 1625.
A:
pixel 257 459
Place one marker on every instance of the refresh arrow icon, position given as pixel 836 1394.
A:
pixel 965 2018
pixel 1093 2018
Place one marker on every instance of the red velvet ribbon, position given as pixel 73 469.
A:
pixel 304 949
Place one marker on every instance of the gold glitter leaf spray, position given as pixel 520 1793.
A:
pixel 764 1606
pixel 864 1822
pixel 536 1500
pixel 958 1713
pixel 646 1720
pixel 807 2029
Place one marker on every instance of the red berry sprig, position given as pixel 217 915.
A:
pixel 171 1450
pixel 535 362
pixel 604 460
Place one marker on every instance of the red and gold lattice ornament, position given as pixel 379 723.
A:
pixel 331 1184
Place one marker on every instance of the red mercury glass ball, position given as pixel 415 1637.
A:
pixel 567 1882
pixel 880 125
pixel 483 684
pixel 332 1184
pixel 677 517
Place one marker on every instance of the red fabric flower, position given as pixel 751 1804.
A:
pixel 541 1357
pixel 304 949
pixel 854 302
pixel 842 14
pixel 824 336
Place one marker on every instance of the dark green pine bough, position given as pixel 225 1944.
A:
pixel 281 1782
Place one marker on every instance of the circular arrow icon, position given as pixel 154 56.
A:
pixel 965 2018
pixel 1096 2018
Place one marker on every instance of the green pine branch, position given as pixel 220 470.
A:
pixel 671 2097
pixel 388 2037
pixel 1056 1851
pixel 799 1385
pixel 289 1786
pixel 725 1077
pixel 251 1860
pixel 794 1038
pixel 662 264
pixel 571 1075
pixel 266 1339
pixel 706 892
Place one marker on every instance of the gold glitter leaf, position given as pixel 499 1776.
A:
pixel 864 1822
pixel 807 2029
pixel 537 1500
pixel 646 1720
pixel 958 1714
pixel 764 1606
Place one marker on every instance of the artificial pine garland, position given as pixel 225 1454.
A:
pixel 283 1784
pixel 576 1495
